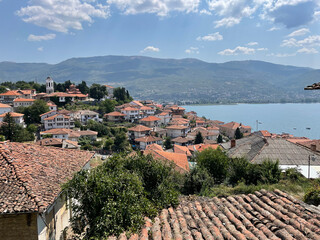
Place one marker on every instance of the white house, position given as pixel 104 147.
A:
pixel 85 115
pixel 165 118
pixel 18 117
pixel 138 132
pixel 147 111
pixel 23 102
pixel 143 142
pixel 175 131
pixel 58 121
pixel 131 113
pixel 4 108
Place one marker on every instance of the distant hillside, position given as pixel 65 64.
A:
pixel 188 80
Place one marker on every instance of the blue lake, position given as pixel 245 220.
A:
pixel 293 118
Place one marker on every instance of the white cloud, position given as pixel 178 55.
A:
pixel 62 15
pixel 211 37
pixel 308 50
pixel 205 12
pixel 281 55
pixel 292 42
pixel 40 49
pixel 310 41
pixel 252 43
pixel 150 49
pixel 238 50
pixel 160 7
pixel 262 49
pixel 38 38
pixel 192 50
pixel 299 32
pixel 227 22
pixel 273 29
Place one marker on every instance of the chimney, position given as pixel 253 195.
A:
pixel 313 147
pixel 233 143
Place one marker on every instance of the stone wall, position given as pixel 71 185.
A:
pixel 18 226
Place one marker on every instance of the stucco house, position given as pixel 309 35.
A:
pixel 150 121
pixel 115 116
pixel 175 131
pixel 17 117
pixel 85 115
pixel 23 102
pixel 230 128
pixel 5 108
pixel 138 132
pixel 165 117
pixel 143 142
pixel 58 121
pixel 32 203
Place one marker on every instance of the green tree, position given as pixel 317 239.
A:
pixel 219 139
pixel 122 95
pixel 121 142
pixel 83 87
pixel 107 106
pixel 167 143
pixel 199 138
pixel 97 91
pixel 32 113
pixel 3 89
pixel 238 134
pixel 108 144
pixel 9 128
pixel 216 162
pixel 116 196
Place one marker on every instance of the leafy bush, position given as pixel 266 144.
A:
pixel 239 168
pixel 293 174
pixel 197 181
pixel 216 162
pixel 270 171
pixel 313 196
pixel 115 196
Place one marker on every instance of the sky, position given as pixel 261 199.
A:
pixel 278 31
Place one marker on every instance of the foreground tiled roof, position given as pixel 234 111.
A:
pixel 262 215
pixel 31 175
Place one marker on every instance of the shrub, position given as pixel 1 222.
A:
pixel 197 181
pixel 239 168
pixel 293 174
pixel 270 171
pixel 313 196
pixel 215 162
pixel 115 196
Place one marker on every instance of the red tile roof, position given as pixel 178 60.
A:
pixel 146 108
pixel 265 133
pixel 115 114
pixel 137 103
pixel 182 150
pixel 164 114
pixel 4 105
pixel 154 146
pixel 180 160
pixel 47 113
pixel 180 140
pixel 57 131
pixel 139 128
pixel 231 125
pixel 31 175
pixel 149 119
pixel 12 114
pixel 176 127
pixel 24 100
pixel 262 215
pixel 55 116
pixel 200 147
pixel 130 109
pixel 11 93
pixel 148 139
pixel 49 142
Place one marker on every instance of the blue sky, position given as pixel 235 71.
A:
pixel 278 31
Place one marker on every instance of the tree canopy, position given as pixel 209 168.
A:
pixel 199 138
pixel 97 91
pixel 32 113
pixel 116 196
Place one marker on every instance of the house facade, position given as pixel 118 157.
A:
pixel 33 206
pixel 17 117
pixel 58 121
pixel 4 108
pixel 85 115
pixel 23 102
pixel 115 117
pixel 175 131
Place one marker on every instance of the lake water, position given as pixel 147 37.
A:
pixel 293 118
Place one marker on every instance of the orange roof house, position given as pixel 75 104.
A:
pixel 150 121
pixel 30 181
pixel 139 128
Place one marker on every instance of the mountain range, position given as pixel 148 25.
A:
pixel 178 80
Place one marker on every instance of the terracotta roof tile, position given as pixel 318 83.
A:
pixel 200 147
pixel 148 139
pixel 262 215
pixel 176 127
pixel 24 100
pixel 11 93
pixel 139 128
pixel 12 114
pixel 116 114
pixel 4 105
pixel 150 119
pixel 31 175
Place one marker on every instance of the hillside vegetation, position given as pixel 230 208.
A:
pixel 189 80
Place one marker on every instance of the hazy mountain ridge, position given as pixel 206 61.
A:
pixel 187 79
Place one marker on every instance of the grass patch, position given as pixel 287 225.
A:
pixel 296 188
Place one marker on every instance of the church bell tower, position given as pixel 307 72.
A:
pixel 49 85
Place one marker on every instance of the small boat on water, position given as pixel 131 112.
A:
pixel 308 128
